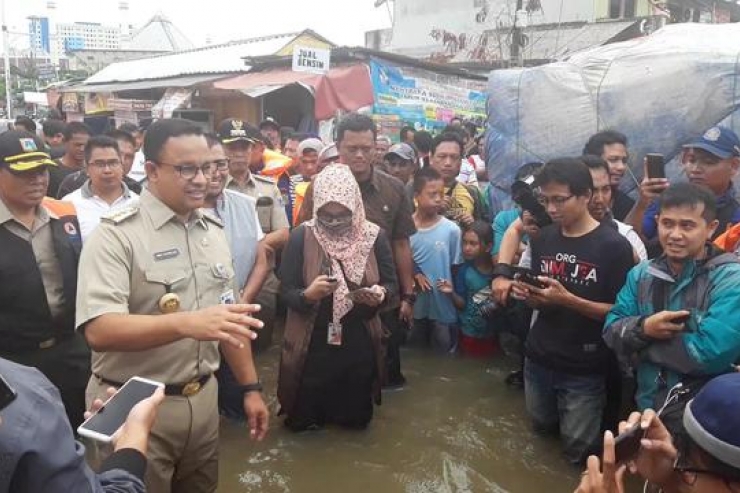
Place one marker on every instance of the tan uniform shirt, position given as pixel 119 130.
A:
pixel 270 206
pixel 134 258
pixel 43 249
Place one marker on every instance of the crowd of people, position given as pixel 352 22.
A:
pixel 170 253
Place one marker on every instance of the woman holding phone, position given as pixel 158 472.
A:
pixel 337 272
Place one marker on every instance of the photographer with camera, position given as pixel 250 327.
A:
pixel 578 266
pixel 703 459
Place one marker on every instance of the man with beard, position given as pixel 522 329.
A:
pixel 239 214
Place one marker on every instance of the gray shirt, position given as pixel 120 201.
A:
pixel 238 212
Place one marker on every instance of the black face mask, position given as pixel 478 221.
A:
pixel 335 226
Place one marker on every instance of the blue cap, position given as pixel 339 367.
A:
pixel 719 141
pixel 712 419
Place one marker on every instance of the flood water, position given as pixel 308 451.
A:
pixel 456 427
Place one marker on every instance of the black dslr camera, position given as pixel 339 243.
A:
pixel 523 195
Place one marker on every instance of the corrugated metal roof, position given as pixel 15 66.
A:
pixel 159 34
pixel 215 59
pixel 554 42
pixel 185 81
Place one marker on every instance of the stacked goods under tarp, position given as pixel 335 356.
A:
pixel 661 91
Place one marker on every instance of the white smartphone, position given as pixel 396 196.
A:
pixel 103 424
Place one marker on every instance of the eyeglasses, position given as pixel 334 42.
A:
pixel 689 474
pixel 190 171
pixel 101 165
pixel 555 201
pixel 221 164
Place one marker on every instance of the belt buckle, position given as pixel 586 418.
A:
pixel 190 389
pixel 49 343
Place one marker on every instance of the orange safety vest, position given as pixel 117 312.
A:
pixel 729 240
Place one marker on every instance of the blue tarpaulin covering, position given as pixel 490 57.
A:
pixel 661 91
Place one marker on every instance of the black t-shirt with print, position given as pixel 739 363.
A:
pixel 593 267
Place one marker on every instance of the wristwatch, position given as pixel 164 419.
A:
pixel 503 270
pixel 250 387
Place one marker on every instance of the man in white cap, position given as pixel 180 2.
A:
pixel 306 167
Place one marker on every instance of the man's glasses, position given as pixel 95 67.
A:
pixel 690 474
pixel 555 201
pixel 190 171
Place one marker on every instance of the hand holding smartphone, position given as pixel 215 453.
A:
pixel 627 444
pixel 527 276
pixel 655 165
pixel 104 423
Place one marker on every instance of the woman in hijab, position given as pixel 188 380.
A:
pixel 337 272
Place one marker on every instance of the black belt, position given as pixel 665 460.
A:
pixel 183 389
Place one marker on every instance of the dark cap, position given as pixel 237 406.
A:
pixel 23 151
pixel 402 150
pixel 233 130
pixel 718 141
pixel 270 122
pixel 712 419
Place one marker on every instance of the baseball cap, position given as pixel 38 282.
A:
pixel 329 152
pixel 712 419
pixel 270 122
pixel 23 151
pixel 310 145
pixel 233 130
pixel 719 141
pixel 402 150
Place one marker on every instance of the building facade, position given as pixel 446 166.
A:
pixel 39 36
pixel 87 36
pixel 481 30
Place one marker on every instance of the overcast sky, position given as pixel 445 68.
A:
pixel 342 21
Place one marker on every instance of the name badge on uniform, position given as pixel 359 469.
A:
pixel 227 297
pixel 334 334
pixel 166 255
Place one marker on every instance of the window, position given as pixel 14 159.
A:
pixel 621 9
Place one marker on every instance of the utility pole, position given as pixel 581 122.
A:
pixel 6 60
pixel 517 37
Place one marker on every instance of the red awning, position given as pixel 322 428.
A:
pixel 342 88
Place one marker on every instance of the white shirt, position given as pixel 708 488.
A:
pixel 138 170
pixel 468 175
pixel 91 208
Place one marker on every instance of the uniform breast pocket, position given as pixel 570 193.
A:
pixel 166 288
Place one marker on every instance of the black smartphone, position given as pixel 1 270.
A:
pixel 682 319
pixel 627 444
pixel 7 393
pixel 527 276
pixel 103 424
pixel 655 165
pixel 331 279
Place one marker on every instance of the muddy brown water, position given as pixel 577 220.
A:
pixel 455 428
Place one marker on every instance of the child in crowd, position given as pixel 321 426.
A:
pixel 436 250
pixel 471 293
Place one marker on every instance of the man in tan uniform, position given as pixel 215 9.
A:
pixel 238 138
pixel 157 296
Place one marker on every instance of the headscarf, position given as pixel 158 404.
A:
pixel 349 252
